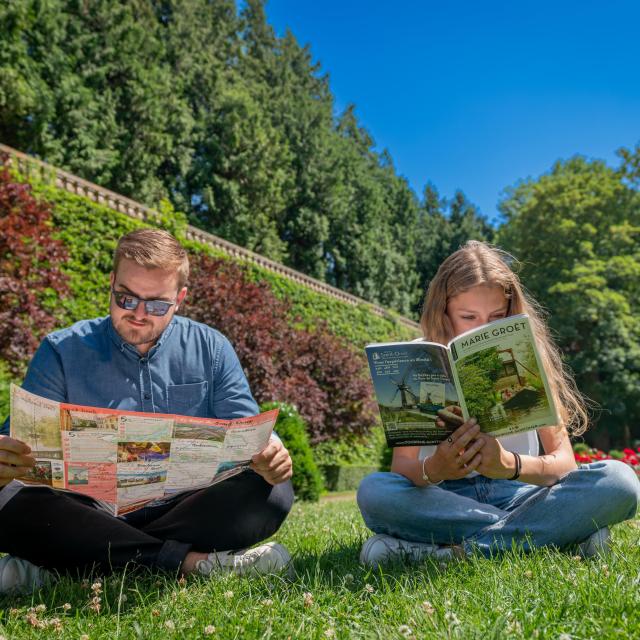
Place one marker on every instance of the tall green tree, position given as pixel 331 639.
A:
pixel 576 231
pixel 192 101
pixel 443 227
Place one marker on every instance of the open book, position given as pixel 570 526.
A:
pixel 125 459
pixel 492 373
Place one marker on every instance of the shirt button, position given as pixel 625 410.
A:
pixel 147 396
pixel 143 360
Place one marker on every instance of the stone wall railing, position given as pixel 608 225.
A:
pixel 28 165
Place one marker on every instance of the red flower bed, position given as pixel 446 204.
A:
pixel 628 456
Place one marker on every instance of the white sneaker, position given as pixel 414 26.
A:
pixel 267 558
pixel 18 575
pixel 382 549
pixel 597 544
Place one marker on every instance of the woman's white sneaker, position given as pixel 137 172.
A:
pixel 270 557
pixel 21 576
pixel 382 549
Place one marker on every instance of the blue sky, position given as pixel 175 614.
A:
pixel 477 95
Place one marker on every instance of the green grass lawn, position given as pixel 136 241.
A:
pixel 543 595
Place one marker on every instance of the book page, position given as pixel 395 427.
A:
pixel 412 382
pixel 501 377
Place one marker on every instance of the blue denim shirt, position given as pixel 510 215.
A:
pixel 191 370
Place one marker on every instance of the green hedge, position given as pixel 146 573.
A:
pixel 353 450
pixel 290 427
pixel 344 477
pixel 91 230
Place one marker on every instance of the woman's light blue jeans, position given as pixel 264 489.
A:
pixel 495 515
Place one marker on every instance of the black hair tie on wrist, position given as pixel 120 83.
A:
pixel 516 475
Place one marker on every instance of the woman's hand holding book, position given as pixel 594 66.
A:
pixel 460 453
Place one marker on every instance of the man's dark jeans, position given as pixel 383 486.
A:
pixel 66 532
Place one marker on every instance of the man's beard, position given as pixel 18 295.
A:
pixel 136 335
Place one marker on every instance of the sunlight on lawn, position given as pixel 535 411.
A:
pixel 543 595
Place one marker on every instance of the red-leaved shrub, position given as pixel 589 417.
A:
pixel 30 262
pixel 315 371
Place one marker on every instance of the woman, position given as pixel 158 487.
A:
pixel 475 491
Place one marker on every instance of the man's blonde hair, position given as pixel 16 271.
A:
pixel 478 263
pixel 153 249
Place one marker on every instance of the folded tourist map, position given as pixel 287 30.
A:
pixel 125 459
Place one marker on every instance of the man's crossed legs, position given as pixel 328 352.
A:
pixel 198 531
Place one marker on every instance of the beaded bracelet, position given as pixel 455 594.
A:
pixel 425 475
pixel 516 475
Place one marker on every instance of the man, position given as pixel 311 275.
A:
pixel 143 357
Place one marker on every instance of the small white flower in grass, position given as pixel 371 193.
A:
pixel 170 625
pixel 43 607
pixel 330 633
pixel 515 628
pixel 96 586
pixel 428 607
pixel 369 588
pixel 605 570
pixel 528 574
pixel 565 636
pixel 267 602
pixel 84 636
pixel 228 595
pixel 94 604
pixel 56 623
pixel 405 631
pixel 66 606
pixel 307 598
pixel 32 619
pixel 209 630
pixel 452 619
pixel 349 578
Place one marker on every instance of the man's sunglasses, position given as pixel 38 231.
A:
pixel 130 302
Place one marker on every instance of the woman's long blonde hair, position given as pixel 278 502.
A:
pixel 478 263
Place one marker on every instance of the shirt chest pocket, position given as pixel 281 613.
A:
pixel 188 399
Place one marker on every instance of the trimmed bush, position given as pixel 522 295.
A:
pixel 353 449
pixel 290 427
pixel 320 374
pixel 345 477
